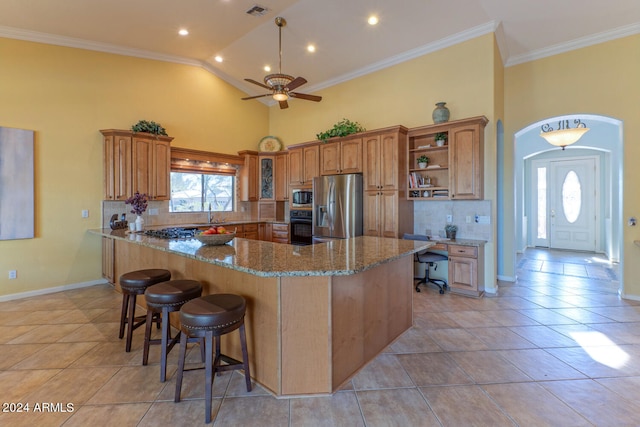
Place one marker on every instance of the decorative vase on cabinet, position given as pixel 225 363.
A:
pixel 440 113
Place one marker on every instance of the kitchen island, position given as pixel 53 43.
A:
pixel 315 314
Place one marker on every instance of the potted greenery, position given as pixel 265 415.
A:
pixel 149 127
pixel 343 128
pixel 422 161
pixel 441 138
pixel 450 230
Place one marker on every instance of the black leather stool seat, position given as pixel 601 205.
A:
pixel 209 318
pixel 134 283
pixel 220 313
pixel 172 293
pixel 164 298
pixel 138 281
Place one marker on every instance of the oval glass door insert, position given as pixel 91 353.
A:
pixel 571 197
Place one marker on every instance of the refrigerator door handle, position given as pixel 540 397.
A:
pixel 331 205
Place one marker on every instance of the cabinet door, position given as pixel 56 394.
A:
pixel 108 254
pixel 311 163
pixel 142 162
pixel 161 171
pixel 389 161
pixel 117 167
pixel 388 208
pixel 465 163
pixel 371 163
pixel 267 179
pixel 463 273
pixel 330 158
pixel 281 173
pixel 371 213
pixel 295 166
pixel 249 179
pixel 351 156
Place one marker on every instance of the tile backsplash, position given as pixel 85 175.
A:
pixel 164 217
pixel 430 217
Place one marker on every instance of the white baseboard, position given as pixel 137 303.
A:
pixel 46 291
pixel 506 278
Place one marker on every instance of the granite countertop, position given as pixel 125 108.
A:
pixel 267 259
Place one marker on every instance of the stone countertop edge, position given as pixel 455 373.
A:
pixel 267 259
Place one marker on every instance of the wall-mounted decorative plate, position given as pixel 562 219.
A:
pixel 269 144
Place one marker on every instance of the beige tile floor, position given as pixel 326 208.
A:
pixel 557 348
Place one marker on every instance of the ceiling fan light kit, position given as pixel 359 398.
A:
pixel 282 85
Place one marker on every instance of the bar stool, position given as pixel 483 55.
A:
pixel 134 283
pixel 207 317
pixel 164 298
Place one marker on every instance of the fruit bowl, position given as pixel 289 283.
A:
pixel 216 239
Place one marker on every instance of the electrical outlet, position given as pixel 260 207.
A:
pixel 468 219
pixel 449 218
pixel 85 213
pixel 153 211
pixel 13 274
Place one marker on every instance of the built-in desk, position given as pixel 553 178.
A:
pixel 466 265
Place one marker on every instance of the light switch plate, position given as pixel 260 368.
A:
pixel 483 219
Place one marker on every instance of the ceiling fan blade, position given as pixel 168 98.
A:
pixel 283 104
pixel 258 83
pixel 295 83
pixel 257 96
pixel 308 97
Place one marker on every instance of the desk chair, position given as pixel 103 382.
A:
pixel 430 259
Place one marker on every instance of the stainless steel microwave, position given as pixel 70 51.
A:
pixel 302 198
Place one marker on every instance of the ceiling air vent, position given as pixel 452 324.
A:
pixel 257 10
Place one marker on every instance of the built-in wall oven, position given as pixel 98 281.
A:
pixel 300 227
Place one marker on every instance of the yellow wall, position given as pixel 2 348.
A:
pixel 66 95
pixel 600 79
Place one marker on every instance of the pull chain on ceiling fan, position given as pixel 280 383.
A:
pixel 282 85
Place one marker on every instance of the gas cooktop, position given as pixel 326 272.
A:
pixel 172 233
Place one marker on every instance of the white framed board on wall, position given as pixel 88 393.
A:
pixel 16 184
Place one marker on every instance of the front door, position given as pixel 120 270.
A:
pixel 572 204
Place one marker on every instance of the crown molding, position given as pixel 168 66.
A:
pixel 452 40
pixel 34 36
pixel 627 30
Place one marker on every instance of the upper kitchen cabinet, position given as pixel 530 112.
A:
pixel 303 164
pixel 455 169
pixel 384 153
pixel 281 176
pixel 267 177
pixel 341 157
pixel 249 176
pixel 136 162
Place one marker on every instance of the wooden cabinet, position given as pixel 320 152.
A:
pixel 136 162
pixel 108 256
pixel 247 231
pixel 264 231
pixel 281 176
pixel 466 269
pixel 249 176
pixel 151 166
pixel 117 164
pixel 386 212
pixel 455 171
pixel 341 157
pixel 280 233
pixel 303 164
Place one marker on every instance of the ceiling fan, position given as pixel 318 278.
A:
pixel 282 85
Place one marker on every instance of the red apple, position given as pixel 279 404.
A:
pixel 221 230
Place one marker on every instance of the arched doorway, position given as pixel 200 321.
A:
pixel 604 142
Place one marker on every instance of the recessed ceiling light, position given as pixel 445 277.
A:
pixel 373 20
pixel 311 48
pixel 183 32
pixel 218 58
pixel 267 68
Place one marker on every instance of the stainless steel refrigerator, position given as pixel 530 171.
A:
pixel 337 207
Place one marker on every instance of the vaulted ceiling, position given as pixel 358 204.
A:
pixel 346 45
